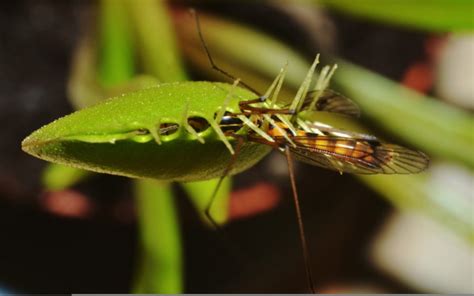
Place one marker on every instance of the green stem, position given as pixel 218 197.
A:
pixel 160 267
pixel 156 40
pixel 116 60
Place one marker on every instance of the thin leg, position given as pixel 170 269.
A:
pixel 207 211
pixel 304 245
pixel 249 110
pixel 236 252
pixel 245 107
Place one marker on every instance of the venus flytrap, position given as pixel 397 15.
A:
pixel 116 136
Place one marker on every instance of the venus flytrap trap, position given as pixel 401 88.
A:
pixel 122 135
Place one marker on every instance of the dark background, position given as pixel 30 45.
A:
pixel 44 253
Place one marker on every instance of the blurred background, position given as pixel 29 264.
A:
pixel 409 66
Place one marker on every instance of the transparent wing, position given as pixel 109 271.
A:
pixel 352 152
pixel 331 101
pixel 359 156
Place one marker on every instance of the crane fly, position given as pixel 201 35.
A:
pixel 311 142
pixel 348 152
pixel 322 145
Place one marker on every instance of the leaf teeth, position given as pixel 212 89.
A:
pixel 274 89
pixel 255 128
pixel 191 130
pixel 221 136
pixel 298 100
pixel 322 82
pixel 154 132
pixel 222 110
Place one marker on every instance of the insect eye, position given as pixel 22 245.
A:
pixel 199 124
pixel 168 128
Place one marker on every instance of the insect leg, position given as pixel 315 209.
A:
pixel 208 208
pixel 309 275
pixel 235 250
pixel 246 108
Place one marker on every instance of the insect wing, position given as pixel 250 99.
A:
pixel 357 153
pixel 331 101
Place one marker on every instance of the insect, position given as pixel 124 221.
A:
pixel 190 131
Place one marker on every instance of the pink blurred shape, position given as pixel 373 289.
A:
pixel 253 200
pixel 67 203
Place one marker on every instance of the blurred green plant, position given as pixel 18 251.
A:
pixel 432 15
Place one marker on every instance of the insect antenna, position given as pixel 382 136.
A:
pixel 209 57
pixel 304 245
